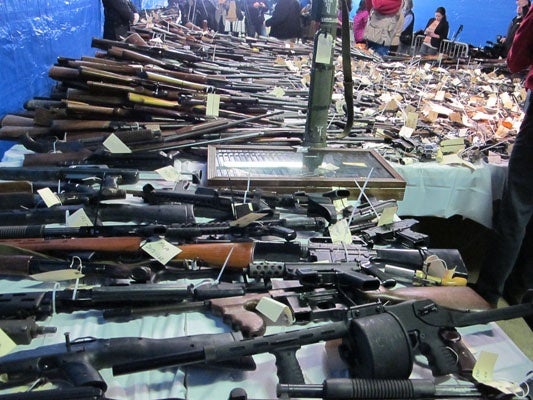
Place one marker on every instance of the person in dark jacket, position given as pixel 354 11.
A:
pixel 508 266
pixel 118 16
pixel 436 30
pixel 285 20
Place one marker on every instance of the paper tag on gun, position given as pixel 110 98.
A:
pixel 340 232
pixel 161 250
pixel 115 145
pixel 387 216
pixel 49 197
pixel 6 344
pixel 169 173
pixel 483 373
pixel 273 310
pixel 78 219
pixel 67 274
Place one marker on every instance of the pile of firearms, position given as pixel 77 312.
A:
pixel 166 89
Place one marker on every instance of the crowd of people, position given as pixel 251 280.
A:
pixel 381 25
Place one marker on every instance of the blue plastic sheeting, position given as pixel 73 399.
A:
pixel 482 20
pixel 33 33
pixel 150 4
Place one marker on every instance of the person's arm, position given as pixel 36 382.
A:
pixel 441 31
pixel 280 13
pixel 520 54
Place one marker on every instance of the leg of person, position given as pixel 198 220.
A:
pixel 516 210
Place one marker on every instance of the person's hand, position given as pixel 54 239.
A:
pixel 136 17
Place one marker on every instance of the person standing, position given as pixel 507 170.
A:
pixel 522 7
pixel 254 18
pixel 436 30
pixel 118 16
pixel 406 37
pixel 285 20
pixel 508 268
pixel 384 25
pixel 360 20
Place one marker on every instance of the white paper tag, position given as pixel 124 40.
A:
pixel 213 105
pixel 340 232
pixel 6 344
pixel 169 173
pixel 115 145
pixel 323 49
pixel 78 218
pixel 161 250
pixel 387 216
pixel 273 310
pixel 67 274
pixel 49 197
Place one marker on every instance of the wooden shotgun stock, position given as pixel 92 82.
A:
pixel 214 254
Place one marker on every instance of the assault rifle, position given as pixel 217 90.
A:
pixel 70 174
pixel 378 341
pixel 156 214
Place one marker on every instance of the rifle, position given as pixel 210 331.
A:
pixel 40 305
pixel 378 341
pixel 22 265
pixel 304 306
pixel 162 214
pixel 78 361
pixel 234 255
pixel 71 174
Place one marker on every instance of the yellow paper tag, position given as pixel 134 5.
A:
pixel 169 173
pixel 387 216
pixel 49 197
pixel 213 105
pixel 78 218
pixel 247 219
pixel 6 344
pixel 340 204
pixel 161 250
pixel 59 275
pixel 340 232
pixel 115 145
pixel 277 91
pixel 484 368
pixel 412 120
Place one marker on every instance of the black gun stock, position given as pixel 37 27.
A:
pixel 78 361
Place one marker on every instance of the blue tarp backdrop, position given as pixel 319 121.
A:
pixel 33 33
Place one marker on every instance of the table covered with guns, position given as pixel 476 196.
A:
pixel 123 283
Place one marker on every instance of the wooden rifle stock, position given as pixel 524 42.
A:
pixel 215 254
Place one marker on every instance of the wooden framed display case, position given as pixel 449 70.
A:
pixel 286 170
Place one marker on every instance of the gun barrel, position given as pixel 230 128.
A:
pixel 377 389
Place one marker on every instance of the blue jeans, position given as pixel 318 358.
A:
pixel 510 232
pixel 380 49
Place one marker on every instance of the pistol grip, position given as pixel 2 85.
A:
pixel 239 311
pixel 289 370
pixel 81 373
pixel 442 359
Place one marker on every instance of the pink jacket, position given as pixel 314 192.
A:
pixel 359 25
pixel 387 7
